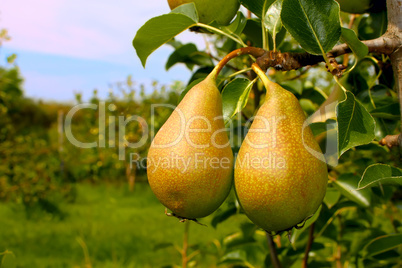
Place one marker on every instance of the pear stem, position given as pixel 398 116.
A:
pixel 253 51
pixel 264 78
pixel 272 252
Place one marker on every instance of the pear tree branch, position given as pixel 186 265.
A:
pixel 385 44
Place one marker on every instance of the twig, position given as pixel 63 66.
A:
pixel 184 258
pixel 308 246
pixel 338 257
pixel 392 141
pixel 272 252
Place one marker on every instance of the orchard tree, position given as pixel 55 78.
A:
pixel 345 70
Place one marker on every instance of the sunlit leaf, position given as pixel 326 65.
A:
pixel 331 197
pixel 157 31
pixel 189 10
pixel 380 174
pixel 235 96
pixel 350 38
pixel 347 184
pixel 236 27
pixel 319 20
pixel 237 256
pixel 272 19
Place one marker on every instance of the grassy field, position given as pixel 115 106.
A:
pixel 107 226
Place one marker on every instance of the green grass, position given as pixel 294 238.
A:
pixel 118 228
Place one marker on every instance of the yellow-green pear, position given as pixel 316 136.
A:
pixel 221 11
pixel 280 173
pixel 190 161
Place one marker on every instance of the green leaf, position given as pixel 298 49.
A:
pixel 189 10
pixel 315 24
pixel 318 127
pixel 257 6
pixel 223 215
pixel 188 54
pixel 372 26
pixel 357 47
pixel 237 256
pixel 307 106
pixel 159 30
pixel 295 86
pixel 236 27
pixel 382 244
pixel 296 232
pixel 253 32
pixel 272 19
pixel 235 96
pixel 331 197
pixel 322 127
pixel 380 174
pixel 355 125
pixel 391 111
pixel 181 54
pixel 347 184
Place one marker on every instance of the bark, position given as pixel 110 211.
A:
pixel 394 31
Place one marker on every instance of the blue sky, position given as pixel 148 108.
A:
pixel 67 46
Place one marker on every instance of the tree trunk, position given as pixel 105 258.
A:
pixel 394 9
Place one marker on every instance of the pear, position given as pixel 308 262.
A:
pixel 221 11
pixel 190 161
pixel 280 173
